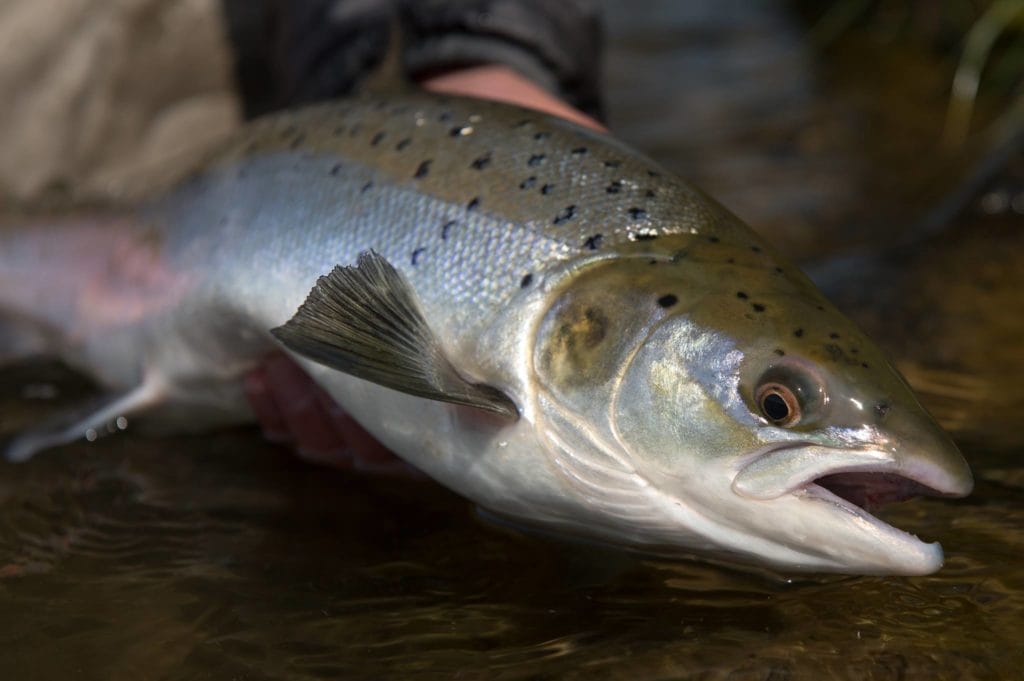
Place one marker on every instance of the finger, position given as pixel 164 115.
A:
pixel 261 400
pixel 308 422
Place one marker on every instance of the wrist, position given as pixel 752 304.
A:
pixel 503 84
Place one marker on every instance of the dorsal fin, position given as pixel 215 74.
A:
pixel 364 321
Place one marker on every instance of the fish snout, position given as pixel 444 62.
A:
pixel 927 454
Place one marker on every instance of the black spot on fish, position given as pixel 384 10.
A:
pixel 445 116
pixel 528 182
pixel 376 139
pixel 833 335
pixel 637 213
pixel 865 365
pixel 523 123
pixel 416 254
pixel 799 333
pixel 593 242
pixel 755 249
pixel 536 160
pixel 741 295
pixel 779 270
pixel 854 350
pixel 366 187
pixel 403 144
pixel 473 204
pixel 649 193
pixel 288 131
pixel 460 130
pixel 667 300
pixel 612 164
pixel 758 307
pixel 579 151
pixel 335 169
pixel 423 169
pixel 541 136
pixel 526 281
pixel 714 239
pixel 730 261
pixel 615 187
pixel 821 308
pixel 882 408
pixel 354 130
pixel 568 213
pixel 546 189
pixel 482 162
pixel 780 352
pixel 299 139
pixel 339 131
pixel 679 255
pixel 653 173
pixel 834 351
pixel 445 228
pixel 643 235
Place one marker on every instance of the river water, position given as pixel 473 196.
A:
pixel 224 557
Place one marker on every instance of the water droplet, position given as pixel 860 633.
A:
pixel 994 202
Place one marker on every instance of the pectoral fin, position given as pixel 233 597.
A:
pixel 364 321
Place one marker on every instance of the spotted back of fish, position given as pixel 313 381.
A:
pixel 473 201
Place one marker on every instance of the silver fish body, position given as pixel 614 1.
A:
pixel 633 322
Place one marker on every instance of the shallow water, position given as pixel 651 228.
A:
pixel 224 557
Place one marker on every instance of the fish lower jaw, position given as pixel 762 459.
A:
pixel 900 552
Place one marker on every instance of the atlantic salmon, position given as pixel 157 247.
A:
pixel 532 313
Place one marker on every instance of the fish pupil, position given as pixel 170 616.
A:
pixel 775 407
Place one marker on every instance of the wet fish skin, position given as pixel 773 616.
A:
pixel 628 316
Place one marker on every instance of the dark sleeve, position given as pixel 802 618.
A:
pixel 555 43
pixel 297 51
pixel 291 52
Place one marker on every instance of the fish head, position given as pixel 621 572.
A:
pixel 759 420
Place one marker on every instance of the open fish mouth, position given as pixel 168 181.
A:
pixel 855 482
pixel 873 490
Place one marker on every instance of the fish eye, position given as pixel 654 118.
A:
pixel 778 404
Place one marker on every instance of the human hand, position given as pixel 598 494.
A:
pixel 292 409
